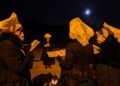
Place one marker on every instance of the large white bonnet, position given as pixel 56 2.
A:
pixel 47 35
pixel 10 24
pixel 79 27
pixel 115 31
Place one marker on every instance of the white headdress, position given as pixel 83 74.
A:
pixel 10 24
pixel 80 30
pixel 47 35
pixel 116 31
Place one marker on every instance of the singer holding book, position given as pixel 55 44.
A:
pixel 75 68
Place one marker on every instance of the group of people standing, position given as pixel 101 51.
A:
pixel 86 63
pixel 91 63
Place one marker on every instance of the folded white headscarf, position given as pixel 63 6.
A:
pixel 10 24
pixel 116 31
pixel 80 31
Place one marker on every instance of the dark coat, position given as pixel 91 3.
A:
pixel 47 61
pixel 77 54
pixel 76 62
pixel 12 61
pixel 108 65
pixel 110 52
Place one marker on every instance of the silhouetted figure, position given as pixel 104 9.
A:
pixel 107 69
pixel 76 69
pixel 47 47
pixel 12 60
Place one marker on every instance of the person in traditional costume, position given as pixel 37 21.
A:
pixel 107 69
pixel 76 67
pixel 13 62
pixel 47 61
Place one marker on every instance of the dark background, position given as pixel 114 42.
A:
pixel 53 16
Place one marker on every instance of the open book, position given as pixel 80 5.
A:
pixel 34 44
pixel 56 53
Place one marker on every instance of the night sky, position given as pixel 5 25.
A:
pixel 45 13
pixel 59 12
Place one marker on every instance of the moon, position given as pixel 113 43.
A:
pixel 87 12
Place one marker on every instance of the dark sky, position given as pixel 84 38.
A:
pixel 59 12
